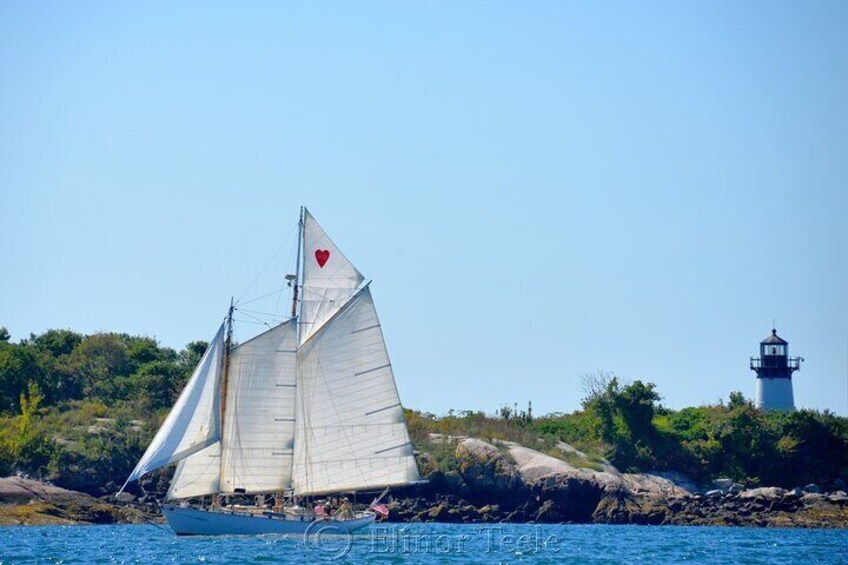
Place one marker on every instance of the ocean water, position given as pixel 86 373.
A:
pixel 429 543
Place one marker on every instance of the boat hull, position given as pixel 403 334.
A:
pixel 187 521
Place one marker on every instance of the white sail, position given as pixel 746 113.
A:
pixel 329 278
pixel 258 431
pixel 350 432
pixel 198 474
pixel 193 422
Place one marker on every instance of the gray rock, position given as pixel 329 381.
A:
pixel 455 484
pixel 548 513
pixel 812 487
pixel 124 497
pixel 735 488
pixel 715 493
pixel 533 466
pixel 838 496
pixel 812 498
pixel 723 484
pixel 567 448
pixel 489 473
pixel 659 484
pixel 64 506
pixel 766 493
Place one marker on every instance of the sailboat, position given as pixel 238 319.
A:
pixel 308 408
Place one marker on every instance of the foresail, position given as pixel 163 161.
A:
pixel 198 474
pixel 350 432
pixel 258 433
pixel 329 278
pixel 193 422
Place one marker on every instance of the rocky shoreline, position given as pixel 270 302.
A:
pixel 27 502
pixel 509 483
pixel 502 482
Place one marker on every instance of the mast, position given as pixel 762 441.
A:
pixel 228 343
pixel 296 281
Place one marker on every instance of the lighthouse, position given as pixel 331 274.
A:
pixel 774 370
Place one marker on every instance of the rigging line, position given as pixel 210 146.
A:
pixel 292 259
pixel 240 321
pixel 260 297
pixel 271 314
pixel 267 264
pixel 261 316
pixel 260 320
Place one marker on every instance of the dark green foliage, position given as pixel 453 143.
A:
pixel 190 356
pixel 157 384
pixel 623 417
pixel 18 367
pixel 735 440
pixel 56 342
pixel 80 410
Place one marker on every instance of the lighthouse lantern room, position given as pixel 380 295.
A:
pixel 774 370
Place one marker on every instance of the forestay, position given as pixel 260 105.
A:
pixel 349 432
pixel 329 278
pixel 192 423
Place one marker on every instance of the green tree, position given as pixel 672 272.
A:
pixel 99 359
pixel 27 447
pixel 18 367
pixel 56 342
pixel 624 419
pixel 156 385
pixel 190 356
pixel 737 399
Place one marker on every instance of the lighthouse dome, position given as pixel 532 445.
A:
pixel 774 339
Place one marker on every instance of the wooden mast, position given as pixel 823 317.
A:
pixel 297 264
pixel 228 343
pixel 223 398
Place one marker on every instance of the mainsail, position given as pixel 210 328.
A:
pixel 258 433
pixel 350 430
pixel 310 405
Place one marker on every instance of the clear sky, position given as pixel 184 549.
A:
pixel 538 189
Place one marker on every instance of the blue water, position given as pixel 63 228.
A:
pixel 429 543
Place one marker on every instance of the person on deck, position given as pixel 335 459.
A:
pixel 345 510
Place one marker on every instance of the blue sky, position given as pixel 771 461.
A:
pixel 538 189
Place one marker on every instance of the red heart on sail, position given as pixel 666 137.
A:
pixel 321 255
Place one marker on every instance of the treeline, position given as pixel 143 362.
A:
pixel 79 410
pixel 733 439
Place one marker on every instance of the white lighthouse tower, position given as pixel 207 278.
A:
pixel 774 370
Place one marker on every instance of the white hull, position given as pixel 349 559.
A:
pixel 193 522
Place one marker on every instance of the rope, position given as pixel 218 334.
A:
pixel 267 264
pixel 154 524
